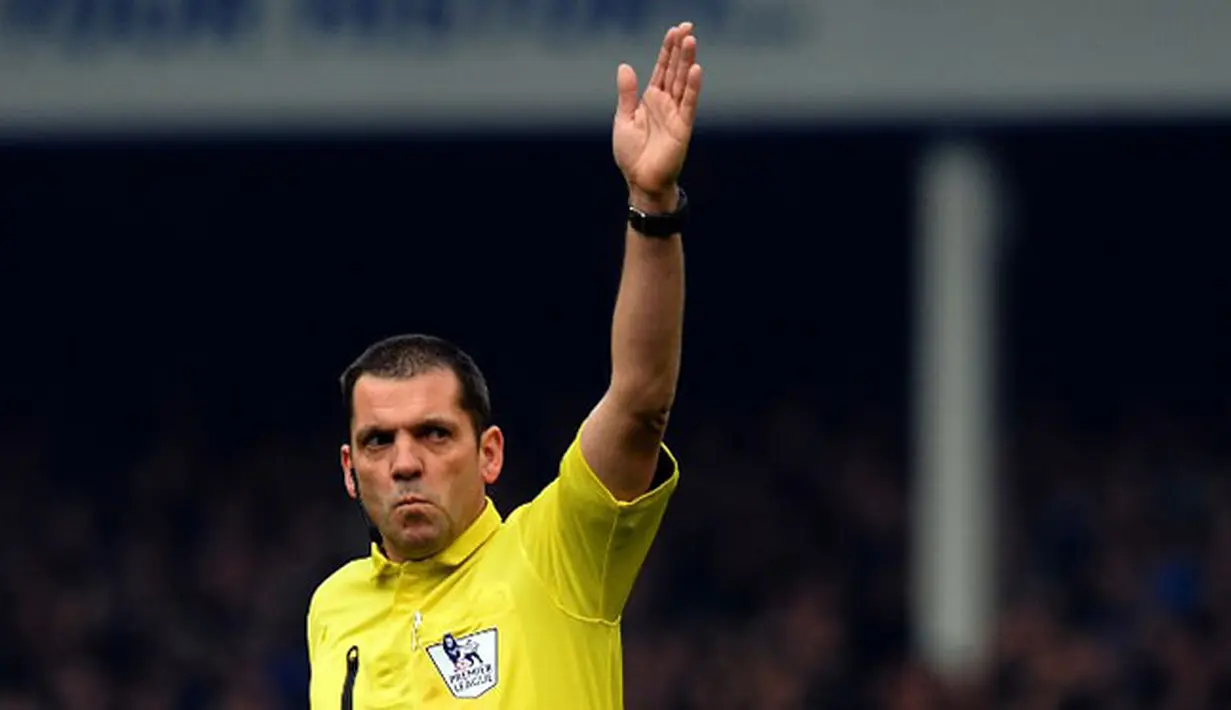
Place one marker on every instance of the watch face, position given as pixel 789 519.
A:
pixel 661 226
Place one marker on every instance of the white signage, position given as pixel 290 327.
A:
pixel 216 64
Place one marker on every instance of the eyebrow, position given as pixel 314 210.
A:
pixel 429 421
pixel 368 431
pixel 437 421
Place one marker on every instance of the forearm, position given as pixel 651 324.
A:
pixel 621 438
pixel 647 328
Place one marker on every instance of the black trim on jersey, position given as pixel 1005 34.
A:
pixel 348 685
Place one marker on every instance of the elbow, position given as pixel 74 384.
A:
pixel 649 407
pixel 653 421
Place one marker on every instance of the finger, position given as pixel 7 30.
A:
pixel 626 88
pixel 664 58
pixel 677 69
pixel 692 95
pixel 688 59
pixel 673 64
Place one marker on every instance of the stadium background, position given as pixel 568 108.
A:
pixel 178 309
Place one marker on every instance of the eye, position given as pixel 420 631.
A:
pixel 436 433
pixel 378 438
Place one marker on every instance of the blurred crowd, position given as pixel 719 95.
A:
pixel 780 579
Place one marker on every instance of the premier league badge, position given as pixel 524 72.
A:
pixel 467 664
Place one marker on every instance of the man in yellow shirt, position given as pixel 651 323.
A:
pixel 455 606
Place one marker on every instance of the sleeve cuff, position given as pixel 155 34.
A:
pixel 586 482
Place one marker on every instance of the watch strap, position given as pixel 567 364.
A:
pixel 661 225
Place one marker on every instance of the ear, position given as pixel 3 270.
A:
pixel 348 465
pixel 491 454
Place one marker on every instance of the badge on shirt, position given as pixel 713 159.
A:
pixel 468 663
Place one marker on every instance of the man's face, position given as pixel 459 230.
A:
pixel 422 471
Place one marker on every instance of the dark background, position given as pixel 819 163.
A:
pixel 176 316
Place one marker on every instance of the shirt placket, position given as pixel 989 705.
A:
pixel 408 610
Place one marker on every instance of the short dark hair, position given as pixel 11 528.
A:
pixel 404 356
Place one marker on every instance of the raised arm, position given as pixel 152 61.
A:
pixel 622 436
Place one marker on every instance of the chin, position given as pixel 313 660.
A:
pixel 423 539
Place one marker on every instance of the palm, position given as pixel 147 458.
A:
pixel 650 136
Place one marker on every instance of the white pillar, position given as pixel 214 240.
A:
pixel 954 409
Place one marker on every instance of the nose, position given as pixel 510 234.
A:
pixel 407 464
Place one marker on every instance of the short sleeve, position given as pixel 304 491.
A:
pixel 588 547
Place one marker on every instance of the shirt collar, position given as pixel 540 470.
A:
pixel 464 546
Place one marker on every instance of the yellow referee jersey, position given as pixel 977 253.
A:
pixel 523 613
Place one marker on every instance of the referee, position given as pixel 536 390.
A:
pixel 457 606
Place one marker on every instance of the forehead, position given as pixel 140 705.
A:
pixel 434 393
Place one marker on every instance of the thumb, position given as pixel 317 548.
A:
pixel 626 85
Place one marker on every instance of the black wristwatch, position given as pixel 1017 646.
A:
pixel 660 226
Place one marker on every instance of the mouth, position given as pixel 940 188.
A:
pixel 411 501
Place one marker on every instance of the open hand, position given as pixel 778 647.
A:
pixel 651 134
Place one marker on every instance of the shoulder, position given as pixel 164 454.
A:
pixel 340 587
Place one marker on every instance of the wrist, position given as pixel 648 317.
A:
pixel 659 216
pixel 664 202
